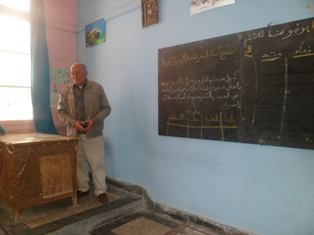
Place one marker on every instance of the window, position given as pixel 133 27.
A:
pixel 15 60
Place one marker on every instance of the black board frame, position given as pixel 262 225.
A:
pixel 254 87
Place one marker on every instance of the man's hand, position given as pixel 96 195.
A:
pixel 81 126
pixel 84 126
pixel 90 124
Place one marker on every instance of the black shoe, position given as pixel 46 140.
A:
pixel 103 198
pixel 81 194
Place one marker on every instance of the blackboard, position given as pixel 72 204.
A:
pixel 252 87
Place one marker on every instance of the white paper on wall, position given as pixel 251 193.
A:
pixel 198 6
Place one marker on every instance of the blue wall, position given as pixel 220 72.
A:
pixel 264 189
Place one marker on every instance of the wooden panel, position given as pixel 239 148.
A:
pixel 56 174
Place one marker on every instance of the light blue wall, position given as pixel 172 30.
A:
pixel 268 190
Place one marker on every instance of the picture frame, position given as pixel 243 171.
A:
pixel 95 33
pixel 149 12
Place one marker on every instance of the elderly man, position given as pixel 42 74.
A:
pixel 83 106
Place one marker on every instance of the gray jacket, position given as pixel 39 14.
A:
pixel 96 106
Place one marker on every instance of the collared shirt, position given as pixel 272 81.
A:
pixel 78 93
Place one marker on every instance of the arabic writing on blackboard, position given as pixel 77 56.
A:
pixel 252 87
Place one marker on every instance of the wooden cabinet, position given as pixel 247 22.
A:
pixel 36 169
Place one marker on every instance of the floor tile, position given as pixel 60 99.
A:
pixel 141 226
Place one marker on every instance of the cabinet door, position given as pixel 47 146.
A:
pixel 56 174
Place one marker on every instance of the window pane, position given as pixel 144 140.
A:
pixel 15 69
pixel 15 34
pixel 15 60
pixel 22 5
pixel 15 104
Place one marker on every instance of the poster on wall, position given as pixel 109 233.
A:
pixel 59 78
pixel 95 33
pixel 198 6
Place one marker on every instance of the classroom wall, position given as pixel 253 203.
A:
pixel 61 34
pixel 61 24
pixel 263 189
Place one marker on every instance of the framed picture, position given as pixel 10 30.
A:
pixel 95 33
pixel 149 12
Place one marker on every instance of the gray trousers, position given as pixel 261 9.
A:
pixel 91 157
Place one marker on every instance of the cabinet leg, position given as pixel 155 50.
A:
pixel 18 214
pixel 74 199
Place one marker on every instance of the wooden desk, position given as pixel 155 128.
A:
pixel 36 169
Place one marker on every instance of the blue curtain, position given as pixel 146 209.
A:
pixel 40 75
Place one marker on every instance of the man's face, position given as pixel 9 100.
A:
pixel 78 74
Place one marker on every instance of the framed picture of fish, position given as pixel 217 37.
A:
pixel 95 33
pixel 149 12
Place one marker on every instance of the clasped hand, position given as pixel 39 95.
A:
pixel 84 126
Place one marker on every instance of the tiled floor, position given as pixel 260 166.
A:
pixel 124 214
pixel 141 226
pixel 44 214
pixel 140 223
pixel 147 223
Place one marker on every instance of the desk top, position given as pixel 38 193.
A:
pixel 33 137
